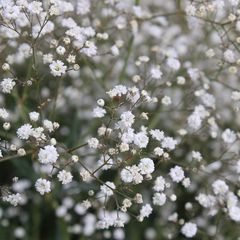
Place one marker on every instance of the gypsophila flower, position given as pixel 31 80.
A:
pixel 234 213
pixel 229 56
pixel 189 229
pixel 83 7
pixel 146 166
pixel 118 90
pixel 159 184
pixel 57 68
pixel 141 140
pixel 7 85
pixel 13 199
pixel 156 72
pixel 206 201
pixel 177 174
pixel 48 155
pixel 34 116
pixel 196 156
pixel 4 113
pixel 126 175
pixel 35 7
pixel 127 119
pixel 60 50
pixel 43 186
pixel 166 100
pixel 164 134
pixel 99 112
pixel 157 134
pixel 159 199
pixel 108 188
pixel 93 143
pixel 220 187
pixel 25 131
pixel 169 143
pixel 229 136
pixel 158 151
pixel 146 210
pixel 64 177
pixel 173 63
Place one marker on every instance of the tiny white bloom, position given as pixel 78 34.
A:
pixel 43 186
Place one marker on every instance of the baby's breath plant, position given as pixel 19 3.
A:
pixel 119 119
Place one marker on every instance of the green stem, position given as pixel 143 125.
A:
pixel 129 50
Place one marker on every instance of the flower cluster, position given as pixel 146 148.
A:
pixel 117 114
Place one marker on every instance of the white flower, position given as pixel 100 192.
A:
pixel 208 100
pixel 193 73
pixel 48 125
pixel 234 2
pixel 190 10
pixel 43 186
pixel 220 187
pixel 229 136
pixel 128 136
pixel 106 162
pixel 194 121
pixel 146 210
pixel 127 120
pixel 159 184
pixel 166 100
pixel 124 147
pixel 157 134
pixel 93 143
pixel 206 201
pixel 234 213
pixel 186 182
pixel 169 143
pixel 197 156
pixel 146 166
pixel 25 131
pixel 90 50
pixel 118 90
pixel 83 7
pixel 35 7
pixel 137 177
pixel 3 113
pixel 119 223
pixel 114 50
pixel 159 199
pixel 141 140
pixel 156 72
pixel 177 174
pixel 108 188
pixel 100 102
pixel 47 58
pixel 57 68
pixel 173 63
pixel 64 177
pixel 11 12
pixel 189 229
pixel 99 112
pixel 60 50
pixel 158 151
pixel 38 134
pixel 7 85
pixel 126 175
pixel 229 56
pixel 34 116
pixel 13 199
pixel 86 176
pixel 235 95
pixel 48 155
